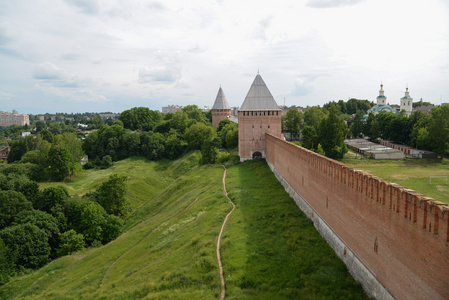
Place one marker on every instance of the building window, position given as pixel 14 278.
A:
pixel 268 126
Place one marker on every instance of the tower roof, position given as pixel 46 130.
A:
pixel 220 101
pixel 259 97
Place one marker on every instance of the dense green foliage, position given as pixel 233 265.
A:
pixel 324 131
pixel 351 106
pixel 422 130
pixel 293 121
pixel 33 222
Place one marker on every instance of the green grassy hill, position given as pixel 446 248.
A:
pixel 270 249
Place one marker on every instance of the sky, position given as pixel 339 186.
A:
pixel 108 55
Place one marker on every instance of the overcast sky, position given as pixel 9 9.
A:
pixel 106 55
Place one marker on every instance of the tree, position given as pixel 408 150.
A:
pixel 358 124
pixel 52 198
pixel 27 245
pixel 151 146
pixel 209 152
pixel 44 221
pixel 11 204
pixel 174 145
pixel 309 137
pixel 111 195
pixel 195 113
pixel 222 124
pixel 232 137
pixel 70 242
pixel 140 118
pixel 131 144
pixel 179 121
pixel 292 121
pixel 6 265
pixel 46 135
pixel 332 133
pixel 92 220
pixel 313 116
pixel 439 130
pixel 196 134
pixel 18 149
pixel 60 162
pixel 71 142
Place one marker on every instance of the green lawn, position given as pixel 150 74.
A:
pixel 411 173
pixel 270 249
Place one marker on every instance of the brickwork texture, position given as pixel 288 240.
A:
pixel 400 235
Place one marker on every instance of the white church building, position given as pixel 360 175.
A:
pixel 406 103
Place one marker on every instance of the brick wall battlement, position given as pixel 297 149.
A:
pixel 400 235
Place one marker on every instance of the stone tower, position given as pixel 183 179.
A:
pixel 259 114
pixel 407 103
pixel 221 109
pixel 381 99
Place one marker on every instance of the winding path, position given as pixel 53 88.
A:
pixel 220 266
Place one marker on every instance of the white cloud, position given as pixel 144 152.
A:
pixel 331 3
pixel 6 96
pixel 165 74
pixel 47 71
pixel 160 52
pixel 85 6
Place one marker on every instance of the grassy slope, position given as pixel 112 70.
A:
pixel 145 180
pixel 168 250
pixel 271 249
pixel 411 173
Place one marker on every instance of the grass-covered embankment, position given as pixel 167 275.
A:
pixel 414 174
pixel 269 249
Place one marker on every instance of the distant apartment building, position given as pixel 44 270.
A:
pixel 14 118
pixel 109 116
pixel 171 109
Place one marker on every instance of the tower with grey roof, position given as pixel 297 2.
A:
pixel 258 115
pixel 221 109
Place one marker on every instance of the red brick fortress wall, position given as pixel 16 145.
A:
pixel 400 236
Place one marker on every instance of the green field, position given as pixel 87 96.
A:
pixel 426 176
pixel 270 250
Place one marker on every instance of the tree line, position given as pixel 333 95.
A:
pixel 324 129
pixel 421 130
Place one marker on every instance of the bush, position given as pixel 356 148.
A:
pixel 70 242
pixel 223 157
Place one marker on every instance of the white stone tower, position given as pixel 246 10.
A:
pixel 407 103
pixel 381 99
